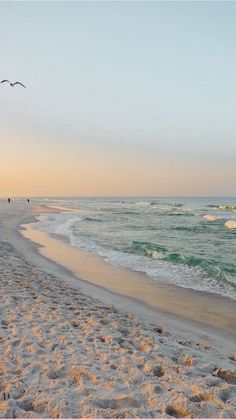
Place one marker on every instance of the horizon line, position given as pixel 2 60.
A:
pixel 115 196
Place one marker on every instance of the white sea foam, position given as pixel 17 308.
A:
pixel 210 217
pixel 57 223
pixel 188 209
pixel 142 204
pixel 229 207
pixel 154 254
pixel 230 224
pixel 159 270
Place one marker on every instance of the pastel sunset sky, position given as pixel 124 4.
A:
pixel 122 98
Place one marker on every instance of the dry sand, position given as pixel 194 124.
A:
pixel 66 354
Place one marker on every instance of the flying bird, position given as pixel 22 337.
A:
pixel 13 84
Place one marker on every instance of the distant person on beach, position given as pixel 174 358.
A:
pixel 28 200
pixel 9 200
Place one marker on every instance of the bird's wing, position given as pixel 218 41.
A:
pixel 17 82
pixel 3 81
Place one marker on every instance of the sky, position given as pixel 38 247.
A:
pixel 122 99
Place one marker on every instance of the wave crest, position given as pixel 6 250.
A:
pixel 148 249
pixel 230 224
pixel 209 267
pixel 210 217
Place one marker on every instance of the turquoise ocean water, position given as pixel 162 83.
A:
pixel 189 242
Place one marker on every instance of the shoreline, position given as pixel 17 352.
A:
pixel 70 353
pixel 214 313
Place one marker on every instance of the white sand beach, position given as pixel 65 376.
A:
pixel 67 352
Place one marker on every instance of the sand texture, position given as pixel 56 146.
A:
pixel 64 354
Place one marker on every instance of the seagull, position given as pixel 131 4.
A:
pixel 13 84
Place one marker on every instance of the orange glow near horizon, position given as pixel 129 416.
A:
pixel 98 172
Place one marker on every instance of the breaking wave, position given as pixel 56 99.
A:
pixel 230 224
pixel 210 217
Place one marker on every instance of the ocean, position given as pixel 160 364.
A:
pixel 188 242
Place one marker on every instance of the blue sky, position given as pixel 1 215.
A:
pixel 149 84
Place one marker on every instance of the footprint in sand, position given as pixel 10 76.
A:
pixel 227 375
pixel 224 395
pixel 5 323
pixel 121 403
pixel 176 411
pixel 13 391
pixel 26 405
pixel 198 398
pixel 158 371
